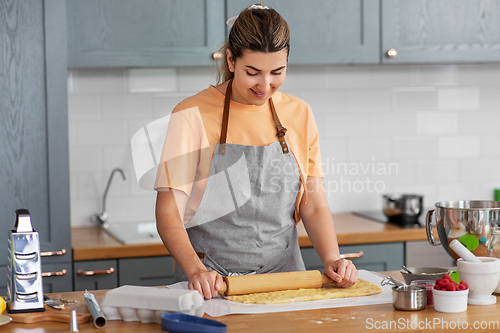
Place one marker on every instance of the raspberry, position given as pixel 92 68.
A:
pixel 447 277
pixel 465 284
pixel 451 287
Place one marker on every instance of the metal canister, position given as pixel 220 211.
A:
pixel 24 286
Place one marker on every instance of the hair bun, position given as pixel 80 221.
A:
pixel 231 20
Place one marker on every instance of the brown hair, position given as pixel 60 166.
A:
pixel 262 30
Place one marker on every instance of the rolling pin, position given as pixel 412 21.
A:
pixel 261 283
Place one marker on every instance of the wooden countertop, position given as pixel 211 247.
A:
pixel 345 319
pixel 91 243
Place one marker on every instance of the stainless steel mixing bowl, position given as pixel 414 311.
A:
pixel 469 221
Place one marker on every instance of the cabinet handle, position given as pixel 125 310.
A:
pixel 217 55
pixel 60 273
pixel 392 53
pixel 53 253
pixel 91 273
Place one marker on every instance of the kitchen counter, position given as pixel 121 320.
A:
pixel 91 243
pixel 345 319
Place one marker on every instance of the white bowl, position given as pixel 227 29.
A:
pixel 450 301
pixel 482 278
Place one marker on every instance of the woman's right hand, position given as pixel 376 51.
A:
pixel 207 283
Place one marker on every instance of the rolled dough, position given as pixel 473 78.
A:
pixel 361 288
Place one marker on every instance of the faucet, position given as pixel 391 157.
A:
pixel 102 217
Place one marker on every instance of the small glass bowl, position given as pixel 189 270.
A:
pixel 429 285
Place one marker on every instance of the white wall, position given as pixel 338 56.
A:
pixel 426 129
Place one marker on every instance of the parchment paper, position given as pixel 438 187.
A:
pixel 221 307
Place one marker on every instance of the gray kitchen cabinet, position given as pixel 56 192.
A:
pixel 327 31
pixel 95 274
pixel 149 271
pixel 34 167
pixel 3 282
pixel 57 277
pixel 376 257
pixel 424 31
pixel 122 33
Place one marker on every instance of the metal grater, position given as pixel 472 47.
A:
pixel 24 285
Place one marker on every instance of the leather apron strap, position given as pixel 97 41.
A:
pixel 225 120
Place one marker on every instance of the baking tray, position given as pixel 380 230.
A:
pixel 220 307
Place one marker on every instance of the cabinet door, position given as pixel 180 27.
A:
pixel 95 274
pixel 3 280
pixel 327 31
pixel 111 33
pixel 376 257
pixel 424 31
pixel 34 167
pixel 57 278
pixel 151 271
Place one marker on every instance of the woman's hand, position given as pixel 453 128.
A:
pixel 207 283
pixel 342 272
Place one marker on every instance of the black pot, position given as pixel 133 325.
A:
pixel 403 208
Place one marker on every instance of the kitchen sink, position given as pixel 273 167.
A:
pixel 133 232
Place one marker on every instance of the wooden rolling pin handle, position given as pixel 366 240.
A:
pixel 223 287
pixel 326 280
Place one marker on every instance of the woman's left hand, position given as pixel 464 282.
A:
pixel 342 272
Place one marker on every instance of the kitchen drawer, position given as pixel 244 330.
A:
pixel 60 279
pixel 150 271
pixel 95 275
pixel 376 257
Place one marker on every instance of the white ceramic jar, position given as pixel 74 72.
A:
pixel 450 301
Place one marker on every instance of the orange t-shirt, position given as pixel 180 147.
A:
pixel 194 130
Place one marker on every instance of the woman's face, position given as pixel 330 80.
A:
pixel 257 75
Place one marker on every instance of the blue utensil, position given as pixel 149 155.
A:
pixel 183 323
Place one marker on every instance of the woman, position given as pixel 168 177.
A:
pixel 233 181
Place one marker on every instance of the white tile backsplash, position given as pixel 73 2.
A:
pixel 326 103
pixel 88 158
pixel 414 98
pixel 346 125
pixel 436 125
pixel 480 169
pixel 344 77
pixel 478 74
pixel 369 100
pixel 126 106
pixel 458 98
pixel 84 106
pixel 142 80
pixel 480 122
pixel 414 147
pixel 490 99
pixel 100 133
pixel 391 124
pixel 437 122
pixel 195 79
pixel 369 148
pixel 459 146
pixel 99 81
pixel 437 171
pixel 437 75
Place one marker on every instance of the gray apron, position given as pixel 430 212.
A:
pixel 245 223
